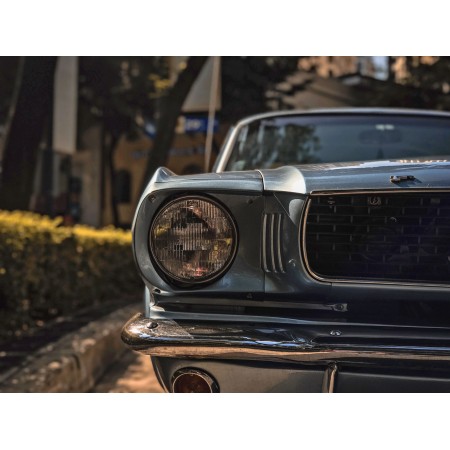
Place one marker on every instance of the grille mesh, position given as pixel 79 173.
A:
pixel 381 236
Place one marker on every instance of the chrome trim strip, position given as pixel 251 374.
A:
pixel 329 379
pixel 264 244
pixel 355 280
pixel 401 190
pixel 274 355
pixel 345 111
pixel 224 154
pixel 158 313
pixel 279 237
pixel 272 259
pixel 272 242
pixel 169 339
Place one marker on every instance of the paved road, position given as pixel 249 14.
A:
pixel 132 373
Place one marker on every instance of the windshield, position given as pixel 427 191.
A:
pixel 277 141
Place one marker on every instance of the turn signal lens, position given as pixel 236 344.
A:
pixel 195 381
pixel 193 239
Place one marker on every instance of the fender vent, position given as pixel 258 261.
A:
pixel 272 256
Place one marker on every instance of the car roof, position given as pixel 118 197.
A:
pixel 338 111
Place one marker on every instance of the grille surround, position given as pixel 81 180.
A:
pixel 397 194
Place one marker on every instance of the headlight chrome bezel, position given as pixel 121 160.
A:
pixel 184 282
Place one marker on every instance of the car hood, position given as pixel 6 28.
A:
pixel 365 175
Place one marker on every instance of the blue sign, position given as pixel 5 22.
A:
pixel 186 124
pixel 193 124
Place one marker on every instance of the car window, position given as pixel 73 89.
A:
pixel 278 141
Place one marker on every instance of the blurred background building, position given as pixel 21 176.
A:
pixel 107 115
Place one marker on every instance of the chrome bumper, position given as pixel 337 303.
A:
pixel 241 341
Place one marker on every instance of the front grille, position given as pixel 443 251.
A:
pixel 402 237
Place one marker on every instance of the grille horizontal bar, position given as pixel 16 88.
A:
pixel 402 237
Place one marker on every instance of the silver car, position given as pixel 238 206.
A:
pixel 316 258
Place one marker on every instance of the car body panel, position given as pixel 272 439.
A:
pixel 269 324
pixel 357 176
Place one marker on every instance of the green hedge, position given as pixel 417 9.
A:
pixel 46 268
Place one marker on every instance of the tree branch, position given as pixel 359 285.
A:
pixel 169 112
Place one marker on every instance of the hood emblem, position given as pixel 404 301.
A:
pixel 399 178
pixel 374 201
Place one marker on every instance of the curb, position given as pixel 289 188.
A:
pixel 76 361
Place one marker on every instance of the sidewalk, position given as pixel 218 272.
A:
pixel 74 362
pixel 132 373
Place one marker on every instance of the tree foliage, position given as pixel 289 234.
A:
pixel 432 80
pixel 424 86
pixel 9 66
pixel 246 80
pixel 170 109
pixel 126 92
pixel 120 93
pixel 32 111
pixel 120 86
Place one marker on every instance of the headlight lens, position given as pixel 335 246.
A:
pixel 193 239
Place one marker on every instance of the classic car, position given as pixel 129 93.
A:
pixel 315 258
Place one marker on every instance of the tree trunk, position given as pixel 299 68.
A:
pixel 12 105
pixel 170 110
pixel 112 177
pixel 20 156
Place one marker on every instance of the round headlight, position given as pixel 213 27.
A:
pixel 193 239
